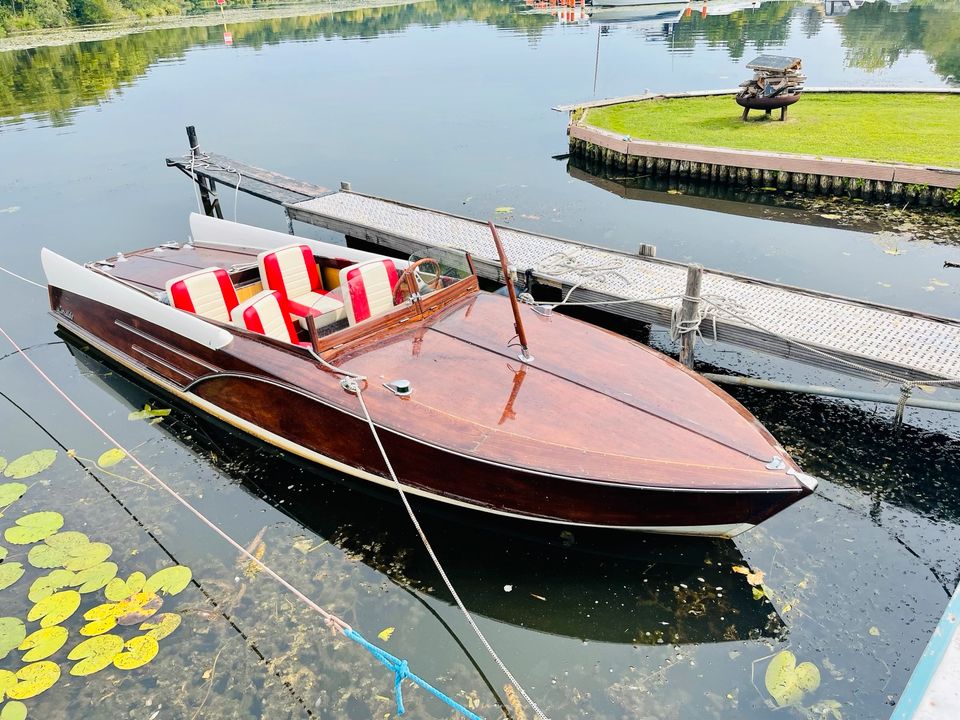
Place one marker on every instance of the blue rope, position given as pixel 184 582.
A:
pixel 401 672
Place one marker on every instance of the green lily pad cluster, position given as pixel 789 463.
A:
pixel 77 568
pixel 787 682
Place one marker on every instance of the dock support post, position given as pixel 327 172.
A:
pixel 689 313
pixel 211 207
pixel 345 186
pixel 286 214
pixel 647 250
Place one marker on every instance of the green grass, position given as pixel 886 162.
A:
pixel 911 128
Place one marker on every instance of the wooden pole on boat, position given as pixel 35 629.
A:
pixel 689 312
pixel 314 335
pixel 525 355
pixel 211 208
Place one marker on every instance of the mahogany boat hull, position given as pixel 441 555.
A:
pixel 284 397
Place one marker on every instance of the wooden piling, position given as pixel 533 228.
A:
pixel 211 206
pixel 688 313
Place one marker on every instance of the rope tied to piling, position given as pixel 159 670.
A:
pixel 204 161
pixel 680 327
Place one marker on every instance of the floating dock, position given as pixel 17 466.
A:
pixel 933 692
pixel 846 177
pixel 844 335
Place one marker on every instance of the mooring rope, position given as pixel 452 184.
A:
pixel 352 384
pixel 332 621
pixel 723 305
pixel 206 162
pixel 562 263
pixel 21 277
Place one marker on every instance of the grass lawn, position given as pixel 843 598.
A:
pixel 912 128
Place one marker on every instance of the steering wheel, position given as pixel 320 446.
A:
pixel 412 274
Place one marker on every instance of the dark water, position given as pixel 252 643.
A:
pixel 447 104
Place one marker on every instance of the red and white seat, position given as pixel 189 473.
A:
pixel 267 313
pixel 208 292
pixel 292 272
pixel 367 289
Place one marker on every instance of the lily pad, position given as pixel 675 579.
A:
pixel 12 633
pixel 788 682
pixel 7 681
pixel 148 413
pixel 96 577
pixel 95 654
pixel 170 580
pixel 111 457
pixel 3 553
pixel 140 650
pixel 43 643
pixel 55 609
pixel 118 589
pixel 3 463
pixel 10 572
pixel 161 626
pixel 98 627
pixel 46 585
pixel 84 557
pixel 33 527
pixel 30 464
pixel 34 679
pixel 13 710
pixel 44 556
pixel 138 607
pixel 101 612
pixel 67 540
pixel 10 492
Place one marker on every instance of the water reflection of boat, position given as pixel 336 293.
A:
pixel 669 12
pixel 566 12
pixel 595 586
pixel 587 434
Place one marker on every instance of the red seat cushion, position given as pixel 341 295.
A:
pixel 208 292
pixel 369 289
pixel 291 271
pixel 267 313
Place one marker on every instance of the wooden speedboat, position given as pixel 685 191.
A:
pixel 594 430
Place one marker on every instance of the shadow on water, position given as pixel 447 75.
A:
pixel 601 586
pixel 908 467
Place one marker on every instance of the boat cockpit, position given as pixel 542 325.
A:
pixel 297 296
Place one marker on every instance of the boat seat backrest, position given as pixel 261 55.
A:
pixel 266 313
pixel 367 289
pixel 290 270
pixel 208 292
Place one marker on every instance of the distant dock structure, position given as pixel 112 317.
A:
pixel 853 337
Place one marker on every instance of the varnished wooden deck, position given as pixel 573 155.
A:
pixel 836 333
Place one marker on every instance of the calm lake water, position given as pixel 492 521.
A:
pixel 447 104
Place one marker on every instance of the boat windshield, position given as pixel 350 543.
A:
pixel 438 268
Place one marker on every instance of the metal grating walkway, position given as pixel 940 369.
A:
pixel 891 340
